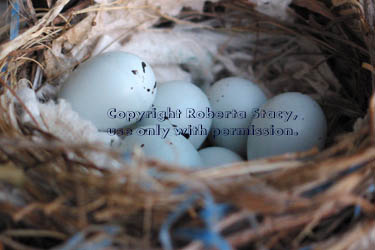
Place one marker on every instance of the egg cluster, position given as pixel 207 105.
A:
pixel 171 121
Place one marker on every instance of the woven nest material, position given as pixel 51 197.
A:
pixel 54 194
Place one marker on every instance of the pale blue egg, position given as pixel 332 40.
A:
pixel 233 99
pixel 289 122
pixel 185 106
pixel 110 89
pixel 217 156
pixel 161 143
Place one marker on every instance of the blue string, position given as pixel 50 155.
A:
pixel 357 211
pixel 306 248
pixel 357 208
pixel 330 182
pixel 72 242
pixel 210 215
pixel 4 68
pixel 14 25
pixel 164 235
pixel 15 20
pixel 212 212
pixel 180 190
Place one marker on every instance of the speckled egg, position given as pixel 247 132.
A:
pixel 233 100
pixel 185 106
pixel 110 89
pixel 289 122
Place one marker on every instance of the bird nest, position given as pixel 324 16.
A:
pixel 60 189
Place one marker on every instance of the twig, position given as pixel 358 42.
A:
pixel 35 233
pixel 15 245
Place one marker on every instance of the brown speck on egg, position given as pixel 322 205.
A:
pixel 148 90
pixel 144 67
pixel 131 88
pixel 142 145
pixel 135 72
